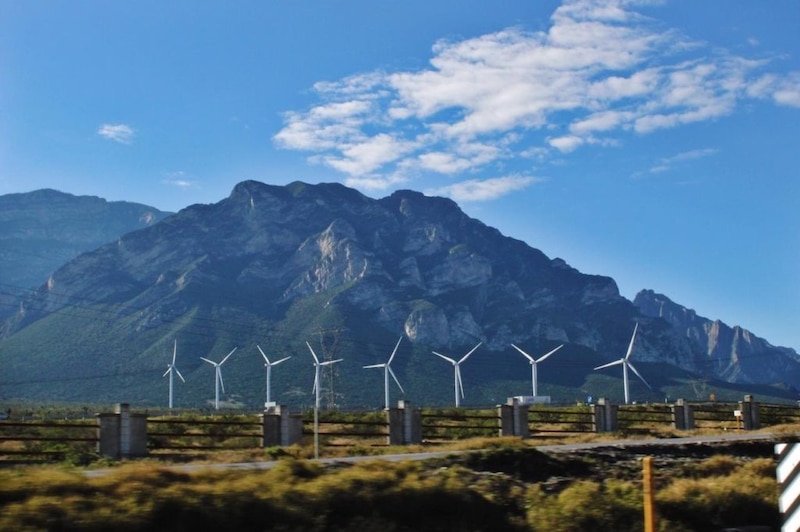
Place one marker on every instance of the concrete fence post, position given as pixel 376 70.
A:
pixel 412 423
pixel 395 418
pixel 521 427
pixel 108 435
pixel 270 427
pixel 279 427
pixel 604 416
pixel 751 420
pixel 122 434
pixel 505 419
pixel 678 416
pixel 688 416
pixel 682 415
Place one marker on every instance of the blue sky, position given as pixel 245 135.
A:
pixel 652 141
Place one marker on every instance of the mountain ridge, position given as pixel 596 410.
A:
pixel 281 265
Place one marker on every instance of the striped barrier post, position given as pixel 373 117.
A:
pixel 788 473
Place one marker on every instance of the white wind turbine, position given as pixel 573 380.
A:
pixel 171 368
pixel 268 365
pixel 317 386
pixel 387 370
pixel 218 376
pixel 459 386
pixel 626 363
pixel 533 363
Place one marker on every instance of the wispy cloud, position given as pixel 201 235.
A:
pixel 121 133
pixel 179 179
pixel 602 70
pixel 483 190
pixel 667 163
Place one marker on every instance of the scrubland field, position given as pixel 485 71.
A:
pixel 508 485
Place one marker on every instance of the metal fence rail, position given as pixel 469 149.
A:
pixel 446 425
pixel 41 441
pixel 559 420
pixel 194 434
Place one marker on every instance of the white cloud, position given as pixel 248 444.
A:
pixel 667 163
pixel 178 178
pixel 483 190
pixel 601 70
pixel 566 144
pixel 121 133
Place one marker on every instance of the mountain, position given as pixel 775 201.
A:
pixel 42 230
pixel 731 354
pixel 324 264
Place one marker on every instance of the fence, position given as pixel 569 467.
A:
pixel 123 434
pixel 202 434
pixel 35 441
pixel 338 429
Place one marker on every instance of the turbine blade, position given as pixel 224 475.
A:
pixel 395 379
pixel 453 362
pixel 313 354
pixel 262 354
pixel 209 361
pixel 630 346
pixel 471 351
pixel 284 359
pixel 174 352
pixel 460 382
pixel 179 374
pixel 526 355
pixel 395 350
pixel 639 375
pixel 375 366
pixel 329 362
pixel 620 361
pixel 314 388
pixel 550 353
pixel 227 356
pixel 221 382
pixel 169 368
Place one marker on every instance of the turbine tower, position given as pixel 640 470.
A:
pixel 171 368
pixel 387 370
pixel 458 385
pixel 218 377
pixel 315 390
pixel 268 365
pixel 626 363
pixel 533 363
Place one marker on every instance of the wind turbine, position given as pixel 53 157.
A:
pixel 315 390
pixel 459 386
pixel 626 363
pixel 268 365
pixel 171 368
pixel 218 376
pixel 533 363
pixel 387 370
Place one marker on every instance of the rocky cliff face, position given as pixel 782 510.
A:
pixel 732 354
pixel 414 264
